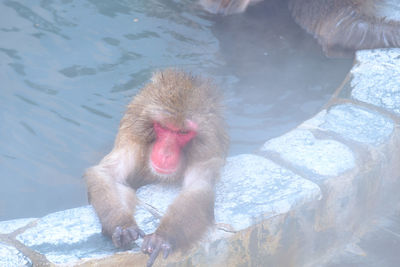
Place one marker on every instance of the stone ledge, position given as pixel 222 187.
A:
pixel 251 190
pixel 10 256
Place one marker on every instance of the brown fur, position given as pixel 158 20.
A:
pixel 171 97
pixel 340 26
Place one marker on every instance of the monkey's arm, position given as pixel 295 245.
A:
pixel 189 216
pixel 343 26
pixel 111 197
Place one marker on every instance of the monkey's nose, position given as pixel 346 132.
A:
pixel 165 156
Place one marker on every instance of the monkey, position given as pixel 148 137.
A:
pixel 172 132
pixel 340 26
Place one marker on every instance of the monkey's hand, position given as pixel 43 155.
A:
pixel 124 237
pixel 152 245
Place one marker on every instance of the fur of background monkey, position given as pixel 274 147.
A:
pixel 340 26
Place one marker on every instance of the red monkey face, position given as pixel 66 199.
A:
pixel 166 153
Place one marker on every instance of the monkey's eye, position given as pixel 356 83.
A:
pixel 158 125
pixel 162 126
pixel 183 132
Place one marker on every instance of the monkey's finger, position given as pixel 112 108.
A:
pixel 166 250
pixel 126 238
pixel 153 256
pixel 145 245
pixel 133 233
pixel 116 237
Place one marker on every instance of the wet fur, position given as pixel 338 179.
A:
pixel 171 97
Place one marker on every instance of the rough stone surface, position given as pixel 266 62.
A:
pixel 321 157
pixel 159 197
pixel 354 123
pixel 67 236
pixel 383 90
pixel 251 188
pixel 7 227
pixel 9 256
pixel 70 235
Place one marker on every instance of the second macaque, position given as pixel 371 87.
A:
pixel 172 132
pixel 340 26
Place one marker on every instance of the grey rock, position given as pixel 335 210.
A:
pixel 319 156
pixel 251 188
pixel 376 78
pixel 70 235
pixel 353 123
pixel 7 227
pixel 67 236
pixel 9 256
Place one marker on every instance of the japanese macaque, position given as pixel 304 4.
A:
pixel 340 26
pixel 172 132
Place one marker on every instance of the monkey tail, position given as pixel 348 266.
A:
pixel 341 26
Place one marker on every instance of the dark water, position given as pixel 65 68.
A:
pixel 68 68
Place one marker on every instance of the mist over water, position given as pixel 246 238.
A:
pixel 68 69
